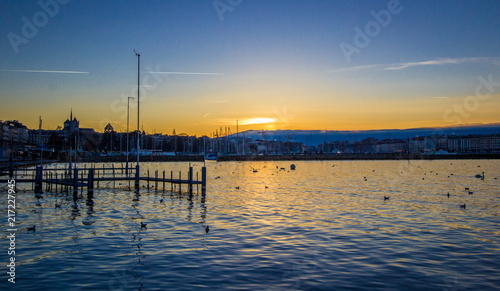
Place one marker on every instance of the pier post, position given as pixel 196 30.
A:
pixel 38 179
pixel 163 180
pixel 137 176
pixel 180 181
pixel 203 179
pixel 156 180
pixel 90 184
pixel 171 181
pixel 190 180
pixel 75 184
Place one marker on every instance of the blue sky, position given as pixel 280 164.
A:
pixel 269 64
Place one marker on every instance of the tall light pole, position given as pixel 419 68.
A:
pixel 138 102
pixel 128 109
pixel 138 129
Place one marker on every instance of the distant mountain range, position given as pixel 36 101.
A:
pixel 315 137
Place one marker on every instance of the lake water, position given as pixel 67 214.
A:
pixel 323 226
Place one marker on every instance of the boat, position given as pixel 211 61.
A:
pixel 211 157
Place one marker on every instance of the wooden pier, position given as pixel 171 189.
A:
pixel 71 179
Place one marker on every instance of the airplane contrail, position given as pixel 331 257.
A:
pixel 185 73
pixel 45 71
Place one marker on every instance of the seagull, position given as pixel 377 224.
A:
pixel 207 228
pixel 467 188
pixel 32 228
pixel 471 192
pixel 463 206
pixel 266 187
pixel 386 198
pixel 144 225
pixel 237 187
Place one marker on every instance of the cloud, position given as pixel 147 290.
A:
pixel 45 71
pixel 434 62
pixel 257 120
pixel 437 62
pixel 357 68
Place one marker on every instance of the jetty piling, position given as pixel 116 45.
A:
pixel 137 176
pixel 72 177
pixel 203 179
pixel 190 180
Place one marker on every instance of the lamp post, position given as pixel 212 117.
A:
pixel 128 109
pixel 138 102
pixel 138 129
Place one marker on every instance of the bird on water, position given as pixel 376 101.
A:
pixel 207 228
pixel 144 225
pixel 386 198
pixel 32 228
pixel 463 206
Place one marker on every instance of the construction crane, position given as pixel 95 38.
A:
pixel 263 133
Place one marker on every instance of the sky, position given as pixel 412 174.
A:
pixel 264 64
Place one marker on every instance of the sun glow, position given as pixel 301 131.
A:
pixel 257 120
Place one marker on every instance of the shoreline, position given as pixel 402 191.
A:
pixel 357 157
